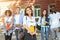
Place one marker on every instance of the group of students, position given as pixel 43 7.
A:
pixel 50 24
pixel 28 22
pixel 13 23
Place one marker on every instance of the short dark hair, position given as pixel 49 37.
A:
pixel 46 13
pixel 9 11
pixel 30 9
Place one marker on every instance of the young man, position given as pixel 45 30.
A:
pixel 54 22
pixel 18 21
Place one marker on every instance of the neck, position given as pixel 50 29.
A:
pixel 44 16
pixel 7 16
pixel 29 15
pixel 18 13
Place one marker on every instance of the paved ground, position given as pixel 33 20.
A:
pixel 14 38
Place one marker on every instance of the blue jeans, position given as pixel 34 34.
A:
pixel 43 31
pixel 47 32
pixel 16 33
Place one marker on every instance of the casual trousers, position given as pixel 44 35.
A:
pixel 8 37
pixel 16 33
pixel 45 31
pixel 54 33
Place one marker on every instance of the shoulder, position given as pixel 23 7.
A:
pixel 25 17
pixel 58 13
pixel 33 17
pixel 50 15
pixel 14 15
pixel 11 16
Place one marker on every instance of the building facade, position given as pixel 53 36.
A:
pixel 39 5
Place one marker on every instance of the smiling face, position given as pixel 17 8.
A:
pixel 28 11
pixel 44 12
pixel 18 10
pixel 8 13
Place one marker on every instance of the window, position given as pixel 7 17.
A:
pixel 36 10
pixel 51 7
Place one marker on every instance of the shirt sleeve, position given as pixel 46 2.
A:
pixel 34 22
pixel 58 14
pixel 50 20
pixel 39 21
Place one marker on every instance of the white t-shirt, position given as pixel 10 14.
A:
pixel 42 22
pixel 7 19
pixel 16 18
pixel 27 21
pixel 54 20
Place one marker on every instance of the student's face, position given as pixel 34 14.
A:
pixel 7 14
pixel 28 11
pixel 44 12
pixel 18 11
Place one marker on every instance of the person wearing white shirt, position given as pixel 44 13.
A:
pixel 54 24
pixel 28 22
pixel 8 23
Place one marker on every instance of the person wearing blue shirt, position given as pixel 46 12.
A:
pixel 18 21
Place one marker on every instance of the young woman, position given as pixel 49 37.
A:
pixel 29 24
pixel 44 25
pixel 8 22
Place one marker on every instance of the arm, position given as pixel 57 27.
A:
pixel 25 25
pixel 12 21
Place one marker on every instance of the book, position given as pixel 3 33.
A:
pixel 32 28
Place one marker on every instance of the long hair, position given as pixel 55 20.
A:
pixel 30 9
pixel 46 15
